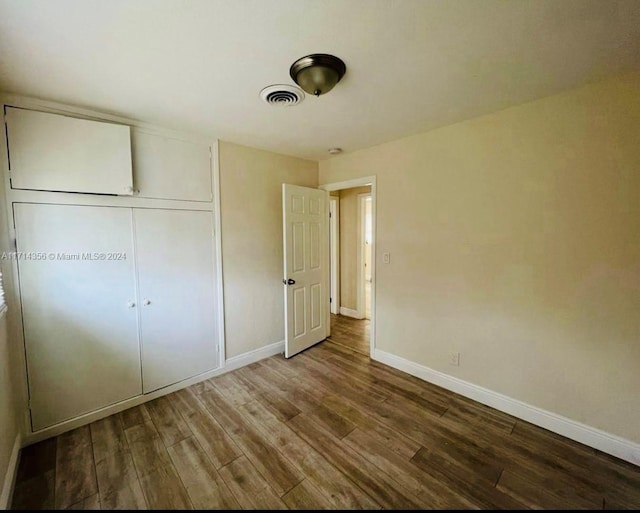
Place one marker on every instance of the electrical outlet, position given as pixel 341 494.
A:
pixel 386 258
pixel 454 359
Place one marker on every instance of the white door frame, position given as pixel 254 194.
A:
pixel 334 237
pixel 361 275
pixel 350 184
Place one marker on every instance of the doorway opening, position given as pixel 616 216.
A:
pixel 352 263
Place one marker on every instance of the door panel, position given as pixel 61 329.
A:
pixel 300 327
pixel 58 153
pixel 176 277
pixel 162 164
pixel 316 307
pixel 306 262
pixel 77 284
pixel 314 250
pixel 298 248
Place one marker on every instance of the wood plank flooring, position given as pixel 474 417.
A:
pixel 327 429
pixel 351 333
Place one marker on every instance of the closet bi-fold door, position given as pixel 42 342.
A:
pixel 176 285
pixel 77 284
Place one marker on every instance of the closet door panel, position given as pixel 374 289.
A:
pixel 176 281
pixel 59 153
pixel 77 283
pixel 170 168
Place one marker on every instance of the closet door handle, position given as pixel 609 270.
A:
pixel 131 304
pixel 146 302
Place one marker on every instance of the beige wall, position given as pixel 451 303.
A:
pixel 251 213
pixel 349 246
pixel 368 212
pixel 515 239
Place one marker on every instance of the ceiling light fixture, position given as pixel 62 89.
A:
pixel 317 73
pixel 334 151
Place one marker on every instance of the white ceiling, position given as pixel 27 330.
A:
pixel 412 65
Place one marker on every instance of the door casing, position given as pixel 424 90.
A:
pixel 349 184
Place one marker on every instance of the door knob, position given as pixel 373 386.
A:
pixel 291 282
pixel 131 304
pixel 146 302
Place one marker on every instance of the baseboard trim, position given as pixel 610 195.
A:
pixel 10 477
pixel 256 355
pixel 350 313
pixel 593 437
pixel 231 364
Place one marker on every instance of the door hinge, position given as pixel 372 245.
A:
pixel 329 215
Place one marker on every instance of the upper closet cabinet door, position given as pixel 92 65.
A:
pixel 77 282
pixel 50 152
pixel 176 283
pixel 169 168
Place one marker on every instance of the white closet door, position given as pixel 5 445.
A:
pixel 170 168
pixel 77 282
pixel 176 283
pixel 59 153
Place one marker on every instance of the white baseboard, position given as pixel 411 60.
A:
pixel 10 476
pixel 231 364
pixel 593 437
pixel 253 356
pixel 350 313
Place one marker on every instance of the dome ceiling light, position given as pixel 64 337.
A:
pixel 317 73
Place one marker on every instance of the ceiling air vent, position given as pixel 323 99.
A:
pixel 282 95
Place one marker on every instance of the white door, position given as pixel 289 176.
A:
pixel 160 164
pixel 77 283
pixel 59 153
pixel 306 267
pixel 176 283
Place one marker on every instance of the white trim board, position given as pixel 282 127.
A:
pixel 349 184
pixel 217 219
pixel 10 476
pixel 349 312
pixel 242 360
pixel 596 438
pixel 231 364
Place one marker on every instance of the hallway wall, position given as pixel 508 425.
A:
pixel 349 246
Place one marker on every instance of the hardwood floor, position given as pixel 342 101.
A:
pixel 326 429
pixel 351 333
